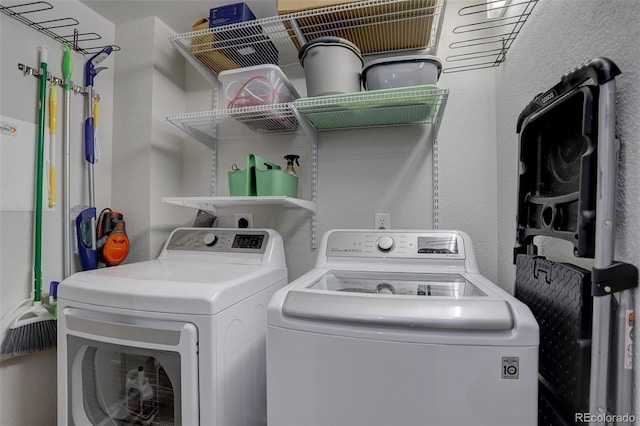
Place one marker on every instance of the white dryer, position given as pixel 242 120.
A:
pixel 399 328
pixel 179 340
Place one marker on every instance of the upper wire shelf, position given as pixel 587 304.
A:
pixel 79 41
pixel 375 26
pixel 483 42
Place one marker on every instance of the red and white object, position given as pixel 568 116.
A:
pixel 255 86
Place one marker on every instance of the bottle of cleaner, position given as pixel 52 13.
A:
pixel 139 393
pixel 290 159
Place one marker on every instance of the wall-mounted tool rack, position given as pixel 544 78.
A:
pixel 38 15
pixel 37 72
pixel 489 31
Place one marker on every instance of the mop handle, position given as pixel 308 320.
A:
pixel 90 72
pixel 67 67
pixel 37 266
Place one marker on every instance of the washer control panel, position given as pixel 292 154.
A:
pixel 397 244
pixel 219 240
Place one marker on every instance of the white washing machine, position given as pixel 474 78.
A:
pixel 179 340
pixel 399 328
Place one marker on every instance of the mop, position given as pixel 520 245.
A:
pixel 31 326
pixel 86 220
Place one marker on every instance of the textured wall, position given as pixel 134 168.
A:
pixel 559 36
pixel 147 149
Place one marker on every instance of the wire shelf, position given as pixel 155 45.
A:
pixel 207 126
pixel 56 28
pixel 492 27
pixel 375 26
pixel 389 107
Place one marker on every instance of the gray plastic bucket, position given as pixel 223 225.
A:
pixel 332 65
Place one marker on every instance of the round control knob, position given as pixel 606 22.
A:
pixel 210 239
pixel 385 243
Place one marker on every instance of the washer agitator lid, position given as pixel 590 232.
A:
pixel 429 301
pixel 401 285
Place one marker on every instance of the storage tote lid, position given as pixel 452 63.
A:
pixel 328 41
pixel 405 59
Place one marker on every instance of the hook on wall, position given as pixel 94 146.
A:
pixel 488 31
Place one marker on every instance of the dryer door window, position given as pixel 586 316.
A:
pixel 125 385
pixel 125 382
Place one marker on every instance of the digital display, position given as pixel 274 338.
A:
pixel 245 241
pixel 438 245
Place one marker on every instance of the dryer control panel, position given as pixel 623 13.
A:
pixel 219 240
pixel 396 244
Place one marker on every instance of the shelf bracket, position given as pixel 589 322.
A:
pixel 311 133
pixel 435 183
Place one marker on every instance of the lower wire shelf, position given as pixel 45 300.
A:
pixel 375 108
pixel 387 107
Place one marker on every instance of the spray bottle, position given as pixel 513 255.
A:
pixel 290 159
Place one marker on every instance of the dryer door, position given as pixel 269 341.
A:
pixel 130 371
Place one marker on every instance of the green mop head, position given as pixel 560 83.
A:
pixel 29 329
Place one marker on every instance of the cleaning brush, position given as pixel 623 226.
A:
pixel 31 328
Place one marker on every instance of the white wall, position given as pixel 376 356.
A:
pixel 559 36
pixel 28 384
pixel 147 149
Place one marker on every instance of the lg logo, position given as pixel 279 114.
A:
pixel 510 368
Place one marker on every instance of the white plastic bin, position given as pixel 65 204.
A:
pixel 255 86
pixel 401 71
pixel 332 65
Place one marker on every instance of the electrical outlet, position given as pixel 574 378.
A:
pixel 243 220
pixel 382 221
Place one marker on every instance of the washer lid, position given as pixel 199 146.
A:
pixel 418 300
pixel 171 286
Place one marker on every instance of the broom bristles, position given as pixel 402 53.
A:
pixel 25 339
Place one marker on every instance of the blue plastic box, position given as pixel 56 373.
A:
pixel 230 14
pixel 247 46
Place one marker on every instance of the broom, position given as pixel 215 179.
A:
pixel 31 327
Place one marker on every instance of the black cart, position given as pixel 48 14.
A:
pixel 567 190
